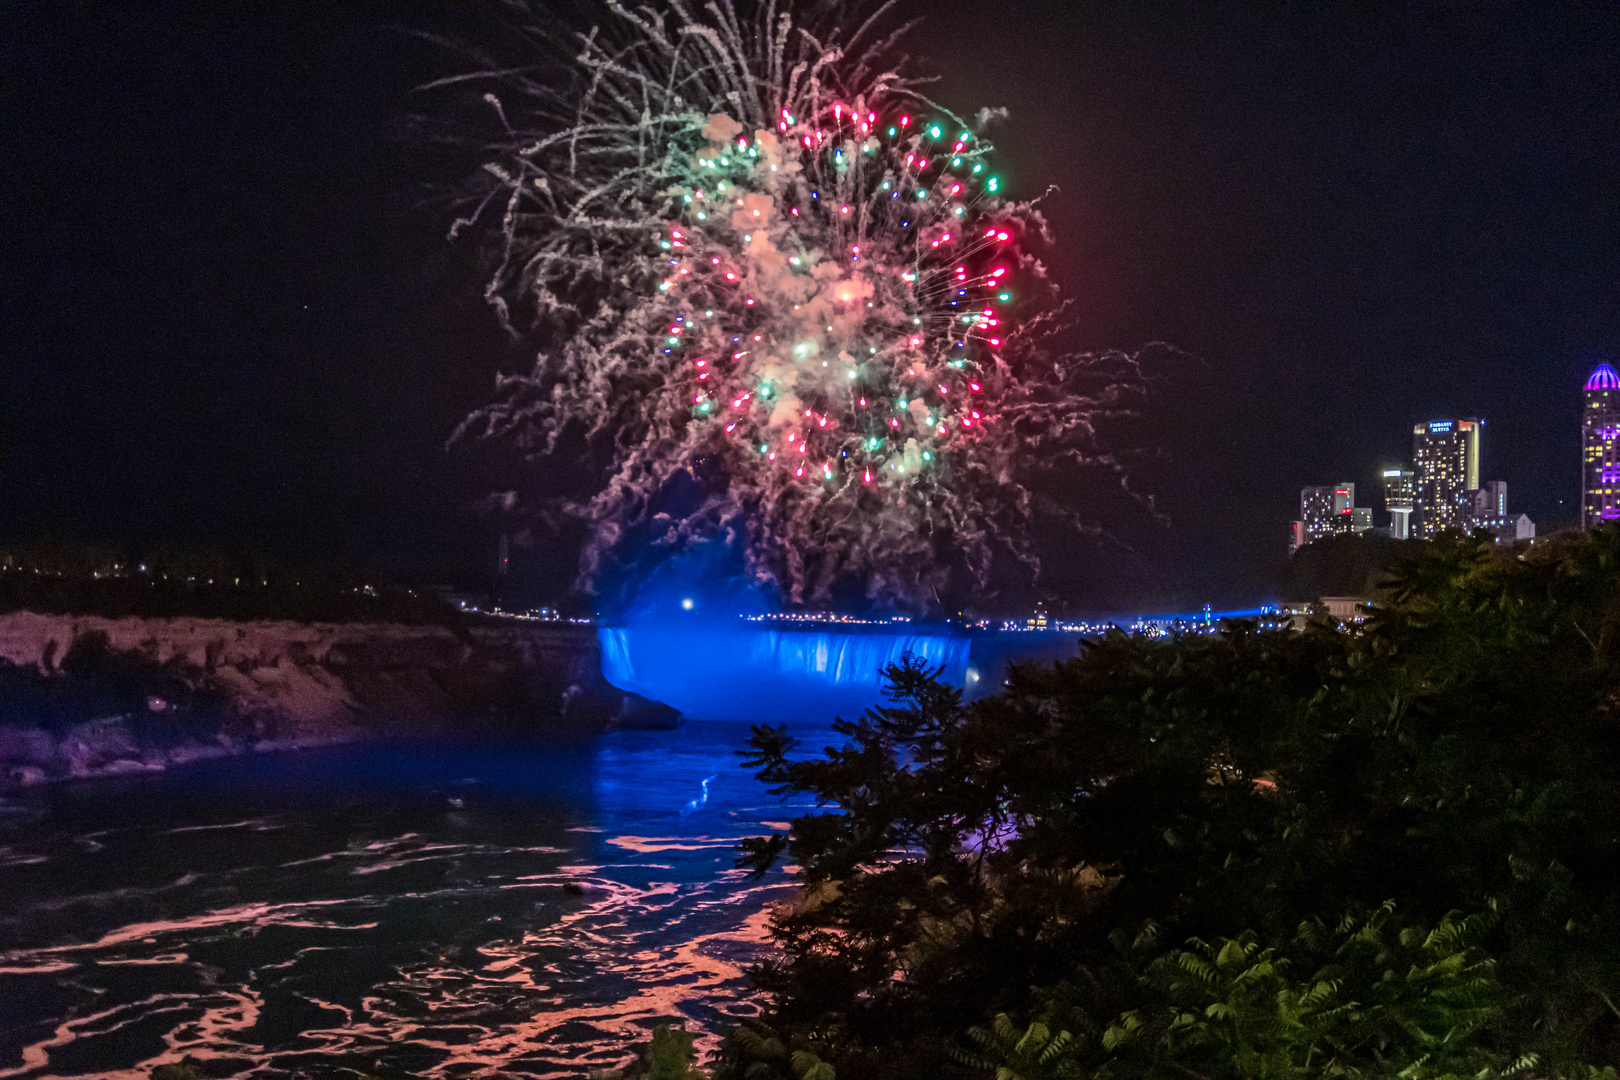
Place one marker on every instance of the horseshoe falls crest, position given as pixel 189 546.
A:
pixel 756 673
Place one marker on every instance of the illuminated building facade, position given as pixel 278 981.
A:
pixel 1400 495
pixel 1600 448
pixel 1446 456
pixel 1320 507
pixel 1328 510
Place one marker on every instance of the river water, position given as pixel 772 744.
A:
pixel 425 909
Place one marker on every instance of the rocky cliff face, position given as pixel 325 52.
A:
pixel 86 696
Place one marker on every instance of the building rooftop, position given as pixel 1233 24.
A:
pixel 1603 377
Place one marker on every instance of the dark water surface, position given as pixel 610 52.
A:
pixel 432 909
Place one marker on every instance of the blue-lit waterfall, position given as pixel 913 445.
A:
pixel 732 671
pixel 718 669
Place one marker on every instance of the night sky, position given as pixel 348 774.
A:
pixel 230 316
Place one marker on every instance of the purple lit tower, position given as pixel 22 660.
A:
pixel 1600 448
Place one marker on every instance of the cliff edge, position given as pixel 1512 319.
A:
pixel 85 696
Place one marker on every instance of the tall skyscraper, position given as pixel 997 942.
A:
pixel 1600 448
pixel 1446 456
pixel 1400 492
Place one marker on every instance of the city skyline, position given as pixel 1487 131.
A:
pixel 1442 491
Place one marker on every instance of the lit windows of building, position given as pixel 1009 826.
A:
pixel 1600 448
pixel 1038 621
pixel 1322 506
pixel 1445 455
pixel 1328 510
pixel 1400 492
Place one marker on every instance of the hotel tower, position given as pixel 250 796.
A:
pixel 1446 453
pixel 1600 448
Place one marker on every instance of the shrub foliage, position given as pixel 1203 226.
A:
pixel 1372 850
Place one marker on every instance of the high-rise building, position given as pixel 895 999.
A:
pixel 1328 510
pixel 1446 456
pixel 1321 507
pixel 1600 448
pixel 1400 491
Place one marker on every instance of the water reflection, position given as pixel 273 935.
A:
pixel 422 909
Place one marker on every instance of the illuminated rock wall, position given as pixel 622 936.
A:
pixel 86 696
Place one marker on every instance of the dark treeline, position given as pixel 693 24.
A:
pixel 1384 850
pixel 1340 566
pixel 61 578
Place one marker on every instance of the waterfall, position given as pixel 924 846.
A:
pixel 755 673
pixel 733 670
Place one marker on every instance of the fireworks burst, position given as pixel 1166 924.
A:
pixel 753 253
